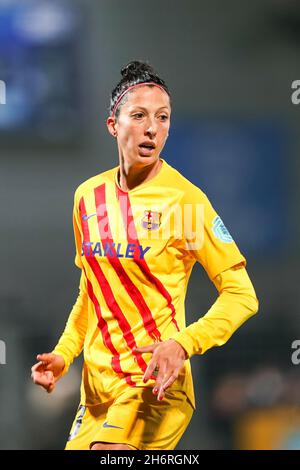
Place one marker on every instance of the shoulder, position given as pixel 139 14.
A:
pixel 190 193
pixel 91 183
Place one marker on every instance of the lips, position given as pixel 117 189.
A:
pixel 146 148
pixel 147 144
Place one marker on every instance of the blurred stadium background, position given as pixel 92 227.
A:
pixel 235 133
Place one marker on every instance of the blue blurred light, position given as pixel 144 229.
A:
pixel 241 166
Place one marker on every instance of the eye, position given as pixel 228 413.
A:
pixel 163 117
pixel 138 115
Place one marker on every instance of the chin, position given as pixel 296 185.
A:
pixel 148 159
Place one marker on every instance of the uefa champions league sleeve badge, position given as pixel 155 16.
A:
pixel 220 231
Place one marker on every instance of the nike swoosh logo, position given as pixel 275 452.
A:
pixel 106 425
pixel 86 217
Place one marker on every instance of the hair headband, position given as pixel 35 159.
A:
pixel 130 88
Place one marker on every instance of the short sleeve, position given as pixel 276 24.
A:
pixel 207 239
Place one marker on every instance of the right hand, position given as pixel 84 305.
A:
pixel 48 370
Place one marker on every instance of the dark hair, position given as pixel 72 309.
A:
pixel 133 73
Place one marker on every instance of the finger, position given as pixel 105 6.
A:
pixel 36 366
pixel 167 383
pixel 46 358
pixel 48 361
pixel 155 374
pixel 144 349
pixel 170 380
pixel 161 394
pixel 161 391
pixel 42 380
pixel 161 378
pixel 51 387
pixel 149 371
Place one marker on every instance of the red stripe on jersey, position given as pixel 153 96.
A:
pixel 129 222
pixel 102 325
pixel 132 290
pixel 108 294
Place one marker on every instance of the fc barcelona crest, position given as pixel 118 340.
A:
pixel 151 220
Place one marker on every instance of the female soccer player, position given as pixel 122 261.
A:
pixel 139 229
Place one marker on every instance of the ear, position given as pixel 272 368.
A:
pixel 111 125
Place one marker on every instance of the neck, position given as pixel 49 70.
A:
pixel 131 176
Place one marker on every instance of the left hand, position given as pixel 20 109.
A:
pixel 168 357
pixel 48 370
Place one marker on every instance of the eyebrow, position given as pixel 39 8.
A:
pixel 145 109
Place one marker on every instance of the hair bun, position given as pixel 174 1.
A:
pixel 134 68
pixel 134 73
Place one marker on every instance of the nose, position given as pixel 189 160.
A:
pixel 151 128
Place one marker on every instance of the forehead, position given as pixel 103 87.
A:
pixel 148 97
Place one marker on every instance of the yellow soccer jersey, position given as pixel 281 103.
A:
pixel 136 251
